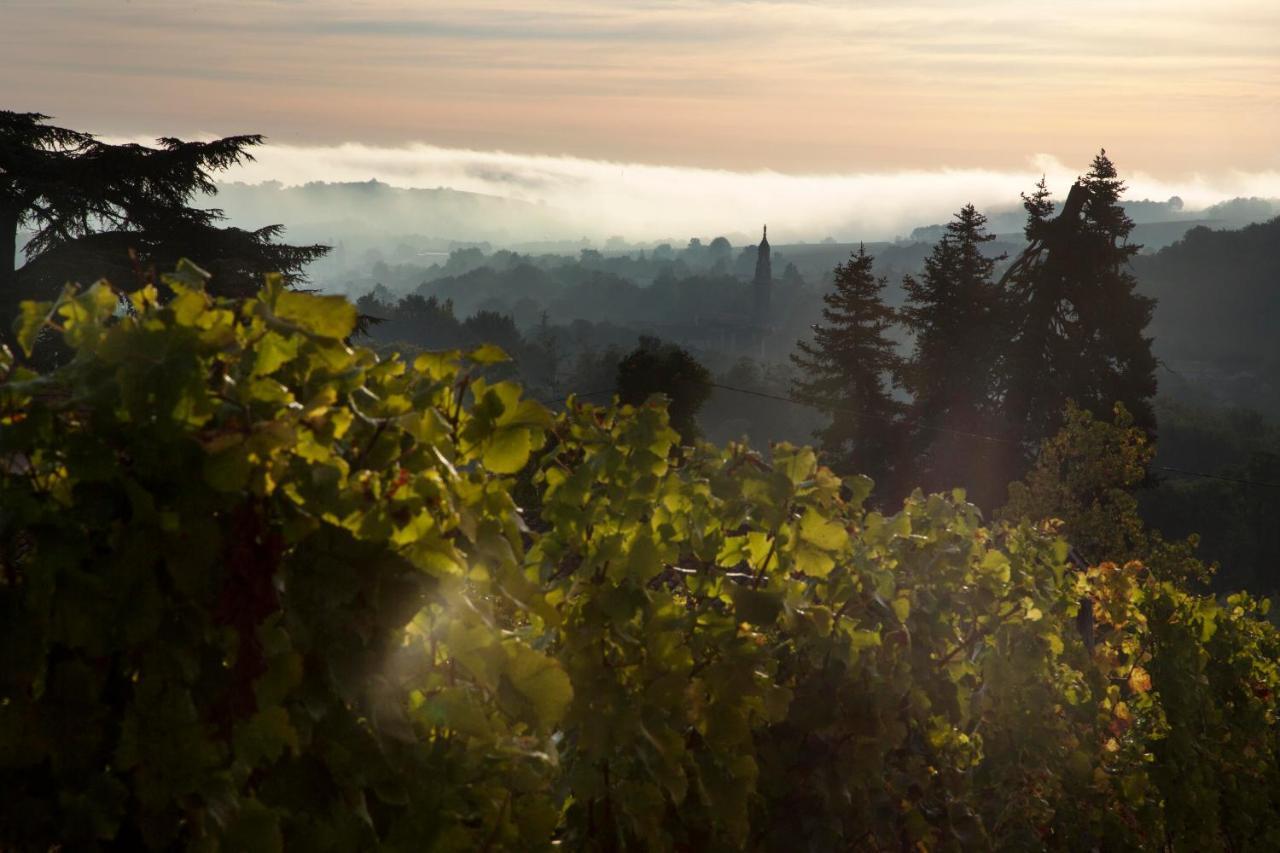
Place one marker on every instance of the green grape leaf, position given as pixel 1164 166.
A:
pixel 542 682
pixel 813 561
pixel 326 316
pixel 31 319
pixel 797 463
pixel 507 451
pixel 996 565
pixel 756 606
pixel 274 351
pixel 901 607
pixel 488 354
pixel 265 736
pixel 827 535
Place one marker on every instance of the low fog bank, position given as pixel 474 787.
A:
pixel 455 195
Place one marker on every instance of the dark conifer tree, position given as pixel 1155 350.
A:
pixel 1078 322
pixel 955 314
pixel 1122 365
pixel 1038 207
pixel 96 210
pixel 850 368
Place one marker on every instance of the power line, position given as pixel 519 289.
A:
pixel 1208 476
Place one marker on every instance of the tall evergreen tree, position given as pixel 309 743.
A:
pixel 850 368
pixel 95 210
pixel 1079 323
pixel 954 312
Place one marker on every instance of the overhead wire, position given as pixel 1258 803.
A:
pixel 1237 480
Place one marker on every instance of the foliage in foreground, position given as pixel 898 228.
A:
pixel 261 589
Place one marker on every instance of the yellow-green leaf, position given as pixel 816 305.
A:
pixel 996 564
pixel 507 450
pixel 326 316
pixel 488 354
pixel 828 535
pixel 31 320
pixel 541 681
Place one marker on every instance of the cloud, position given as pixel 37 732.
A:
pixel 601 198
pixel 791 85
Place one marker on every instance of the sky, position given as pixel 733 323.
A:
pixel 1184 95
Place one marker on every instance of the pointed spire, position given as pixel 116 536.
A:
pixel 763 281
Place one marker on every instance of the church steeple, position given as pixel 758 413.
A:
pixel 762 284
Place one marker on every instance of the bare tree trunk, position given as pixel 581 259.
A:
pixel 8 276
pixel 8 250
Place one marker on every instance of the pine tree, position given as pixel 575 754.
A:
pixel 1123 368
pixel 96 210
pixel 1079 323
pixel 954 311
pixel 1038 207
pixel 850 368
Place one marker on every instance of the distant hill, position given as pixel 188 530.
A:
pixel 1217 320
pixel 1153 236
pixel 371 209
pixel 1157 223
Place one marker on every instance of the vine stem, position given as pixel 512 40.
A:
pixel 764 565
pixel 974 635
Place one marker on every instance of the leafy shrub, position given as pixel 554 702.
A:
pixel 262 589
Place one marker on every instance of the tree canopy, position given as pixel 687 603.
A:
pixel 1080 325
pixel 657 368
pixel 93 209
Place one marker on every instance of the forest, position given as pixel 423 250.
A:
pixel 961 543
pixel 569 321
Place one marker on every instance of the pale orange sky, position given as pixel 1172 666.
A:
pixel 1170 88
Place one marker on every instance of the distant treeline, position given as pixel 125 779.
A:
pixel 569 321
pixel 1214 340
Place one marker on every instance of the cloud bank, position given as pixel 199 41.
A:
pixel 791 85
pixel 598 199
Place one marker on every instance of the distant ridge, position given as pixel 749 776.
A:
pixel 324 210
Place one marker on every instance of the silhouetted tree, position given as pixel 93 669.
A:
pixel 415 320
pixel 490 327
pixel 1078 321
pixel 97 210
pixel 791 277
pixel 595 372
pixel 850 367
pixel 658 368
pixel 1086 476
pixel 720 254
pixel 544 357
pixel 954 311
